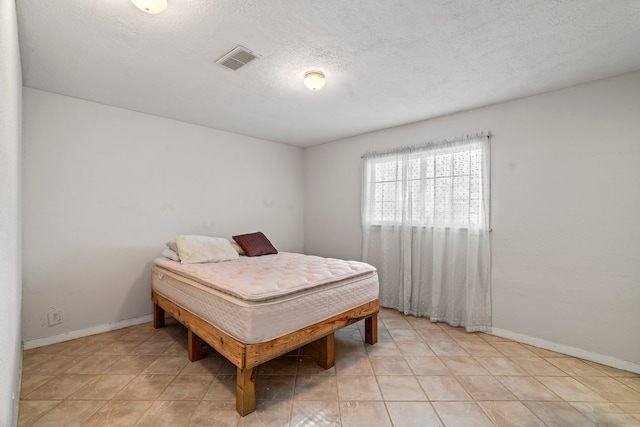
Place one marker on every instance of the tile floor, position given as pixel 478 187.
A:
pixel 419 374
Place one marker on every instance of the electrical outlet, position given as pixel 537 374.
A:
pixel 54 317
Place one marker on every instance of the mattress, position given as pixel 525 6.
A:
pixel 257 299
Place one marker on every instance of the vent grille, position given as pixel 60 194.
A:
pixel 236 58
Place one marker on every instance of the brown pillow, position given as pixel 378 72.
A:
pixel 255 244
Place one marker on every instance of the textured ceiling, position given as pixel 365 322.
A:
pixel 387 63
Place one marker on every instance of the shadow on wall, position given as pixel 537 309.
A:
pixel 142 284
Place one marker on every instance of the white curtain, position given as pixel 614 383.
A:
pixel 426 224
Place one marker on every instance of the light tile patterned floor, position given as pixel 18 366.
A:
pixel 419 374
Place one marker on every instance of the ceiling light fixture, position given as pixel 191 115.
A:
pixel 150 6
pixel 314 80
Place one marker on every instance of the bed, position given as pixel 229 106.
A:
pixel 254 309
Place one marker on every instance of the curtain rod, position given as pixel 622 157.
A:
pixel 430 144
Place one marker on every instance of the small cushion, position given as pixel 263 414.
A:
pixel 255 244
pixel 198 249
pixel 238 249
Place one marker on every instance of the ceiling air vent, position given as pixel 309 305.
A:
pixel 236 58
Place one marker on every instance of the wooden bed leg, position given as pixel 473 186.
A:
pixel 194 346
pixel 158 316
pixel 327 351
pixel 371 329
pixel 246 390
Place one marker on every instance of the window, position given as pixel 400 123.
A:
pixel 436 185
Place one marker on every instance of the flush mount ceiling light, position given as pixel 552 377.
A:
pixel 314 80
pixel 150 6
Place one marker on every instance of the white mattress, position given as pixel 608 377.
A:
pixel 257 299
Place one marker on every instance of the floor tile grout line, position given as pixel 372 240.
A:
pixel 602 374
pixel 494 376
pixel 293 392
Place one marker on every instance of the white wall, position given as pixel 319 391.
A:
pixel 104 188
pixel 566 211
pixel 10 222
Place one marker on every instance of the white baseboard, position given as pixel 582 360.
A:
pixel 547 345
pixel 571 351
pixel 40 342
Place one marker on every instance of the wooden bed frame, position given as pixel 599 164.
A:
pixel 247 357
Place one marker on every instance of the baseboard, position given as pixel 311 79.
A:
pixel 40 342
pixel 547 345
pixel 571 351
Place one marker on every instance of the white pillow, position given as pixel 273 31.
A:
pixel 171 244
pixel 237 247
pixel 197 249
pixel 171 254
